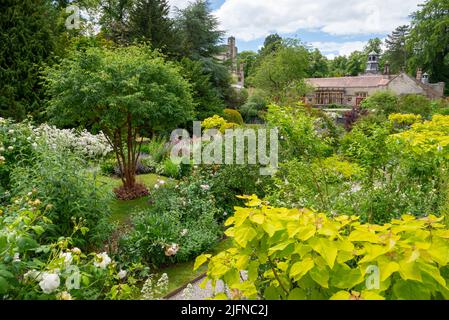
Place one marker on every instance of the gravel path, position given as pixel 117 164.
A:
pixel 199 294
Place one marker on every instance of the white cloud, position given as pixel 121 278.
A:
pixel 333 49
pixel 254 19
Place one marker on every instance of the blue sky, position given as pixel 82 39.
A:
pixel 336 27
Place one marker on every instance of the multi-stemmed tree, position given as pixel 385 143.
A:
pixel 123 92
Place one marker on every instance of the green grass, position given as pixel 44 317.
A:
pixel 121 210
pixel 181 274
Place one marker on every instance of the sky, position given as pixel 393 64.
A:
pixel 336 27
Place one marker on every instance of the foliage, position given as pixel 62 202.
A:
pixel 299 137
pixel 33 269
pixel 416 104
pixel 61 181
pixel 252 110
pixel 396 52
pixel 233 116
pixel 25 46
pixel 429 39
pixel 151 96
pixel 302 254
pixel 198 31
pixel 404 119
pixel 206 96
pixel 171 170
pixel 382 102
pixel 280 74
pixel 179 225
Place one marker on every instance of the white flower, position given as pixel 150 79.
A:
pixel 122 274
pixel 67 258
pixel 156 186
pixel 29 139
pixel 11 131
pixel 225 214
pixel 184 232
pixel 102 260
pixel 172 250
pixel 50 282
pixel 356 188
pixel 2 149
pixel 10 148
pixel 205 187
pixel 16 257
pixel 76 251
pixel 161 182
pixel 32 275
pixel 440 148
pixel 34 145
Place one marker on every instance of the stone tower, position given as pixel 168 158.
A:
pixel 372 66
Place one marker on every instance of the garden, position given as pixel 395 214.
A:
pixel 95 205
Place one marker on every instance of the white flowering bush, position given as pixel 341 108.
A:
pixel 32 269
pixel 81 142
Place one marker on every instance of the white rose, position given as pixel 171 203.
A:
pixel 67 258
pixel 122 274
pixel 50 282
pixel 10 148
pixel 102 260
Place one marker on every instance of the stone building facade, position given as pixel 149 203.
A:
pixel 230 55
pixel 350 91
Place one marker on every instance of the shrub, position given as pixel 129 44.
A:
pixel 171 169
pixel 62 182
pixel 302 254
pixel 415 104
pixel 252 109
pixel 179 225
pixel 215 122
pixel 108 167
pixel 385 102
pixel 233 116
pixel 33 269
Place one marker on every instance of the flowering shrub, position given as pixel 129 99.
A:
pixel 302 254
pixel 404 119
pixel 32 269
pixel 83 143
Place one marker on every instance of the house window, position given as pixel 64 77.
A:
pixel 329 97
pixel 361 94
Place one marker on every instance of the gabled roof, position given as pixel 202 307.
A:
pixel 350 82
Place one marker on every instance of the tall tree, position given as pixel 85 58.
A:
pixel 429 40
pixel 318 65
pixel 373 45
pixel 114 19
pixel 27 40
pixel 338 66
pixel 356 63
pixel 396 52
pixel 198 31
pixel 248 58
pixel 149 21
pixel 281 73
pixel 124 92
pixel 271 44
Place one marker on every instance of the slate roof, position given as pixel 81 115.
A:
pixel 350 82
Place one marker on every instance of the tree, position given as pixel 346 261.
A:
pixel 281 73
pixel 205 96
pixel 338 66
pixel 396 52
pixel 198 31
pixel 429 40
pixel 356 63
pixel 318 65
pixel 373 45
pixel 114 19
pixel 249 59
pixel 27 41
pixel 149 21
pixel 124 92
pixel 271 44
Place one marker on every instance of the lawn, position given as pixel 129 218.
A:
pixel 121 210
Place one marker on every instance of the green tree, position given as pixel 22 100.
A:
pixel 396 52
pixel 318 65
pixel 125 92
pixel 114 19
pixel 198 31
pixel 429 40
pixel 356 63
pixel 205 96
pixel 271 44
pixel 150 21
pixel 281 73
pixel 373 45
pixel 249 59
pixel 338 66
pixel 27 41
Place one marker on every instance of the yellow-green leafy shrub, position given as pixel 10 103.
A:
pixel 302 254
pixel 404 119
pixel 217 122
pixel 233 116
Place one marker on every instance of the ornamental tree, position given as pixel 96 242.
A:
pixel 124 92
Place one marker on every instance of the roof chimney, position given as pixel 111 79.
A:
pixel 419 74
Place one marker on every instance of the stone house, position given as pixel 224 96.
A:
pixel 350 91
pixel 229 55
